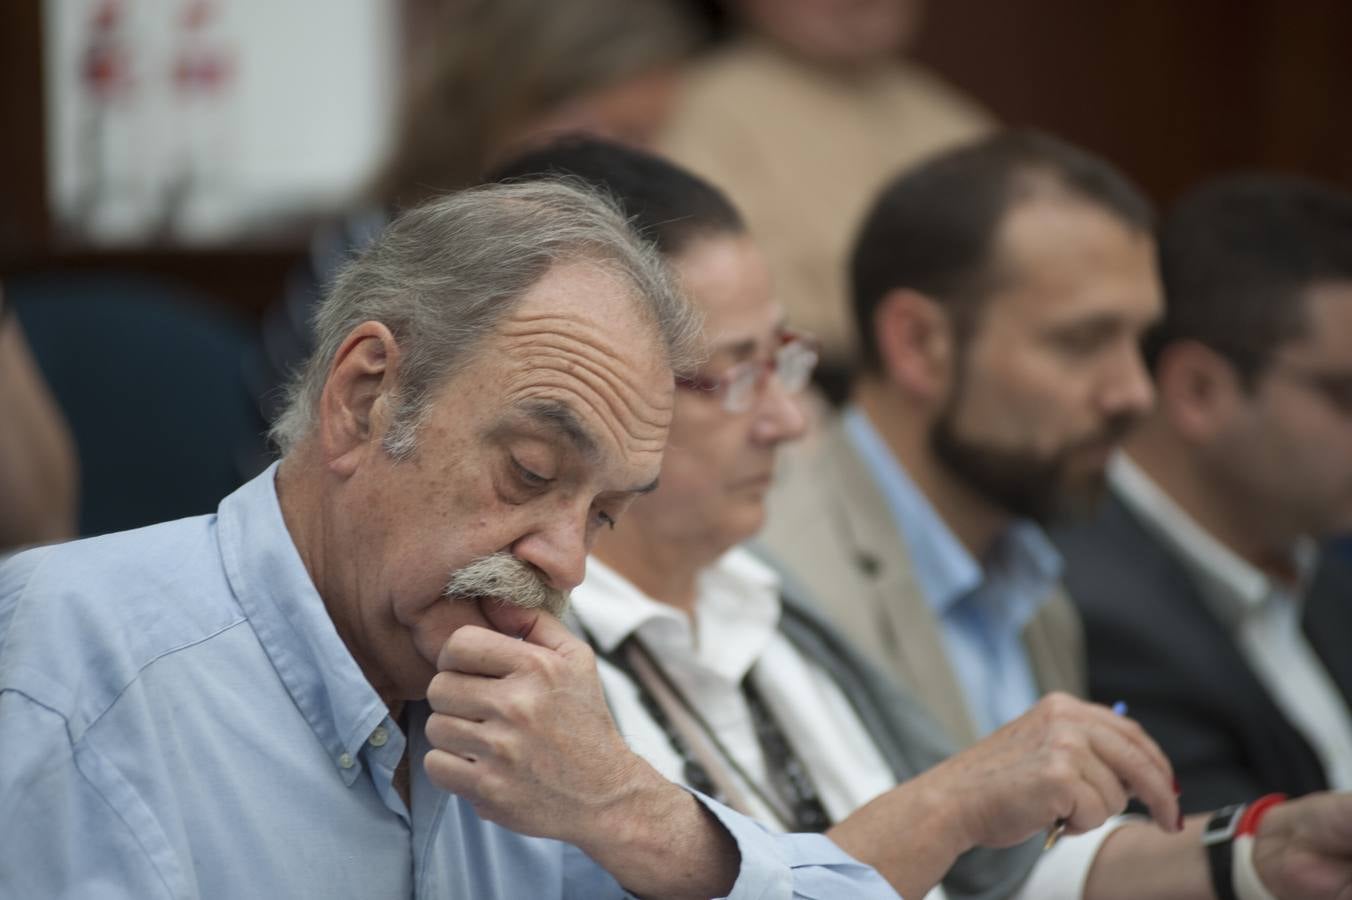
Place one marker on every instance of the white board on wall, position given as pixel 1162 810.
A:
pixel 207 120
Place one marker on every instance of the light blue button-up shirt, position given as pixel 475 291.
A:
pixel 179 719
pixel 982 610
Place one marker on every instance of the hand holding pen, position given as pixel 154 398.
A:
pixel 1065 761
pixel 1059 827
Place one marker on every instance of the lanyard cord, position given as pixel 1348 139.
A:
pixel 786 772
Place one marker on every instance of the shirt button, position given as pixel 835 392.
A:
pixel 345 761
pixel 379 736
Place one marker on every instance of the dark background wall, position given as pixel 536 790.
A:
pixel 23 208
pixel 1172 90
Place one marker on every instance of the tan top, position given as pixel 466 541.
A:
pixel 803 150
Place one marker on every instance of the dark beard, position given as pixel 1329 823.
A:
pixel 1019 482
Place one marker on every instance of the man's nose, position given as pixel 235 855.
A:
pixel 558 549
pixel 1130 389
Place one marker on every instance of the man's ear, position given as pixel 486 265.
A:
pixel 915 342
pixel 354 408
pixel 1198 390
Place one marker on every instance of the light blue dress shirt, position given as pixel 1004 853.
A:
pixel 179 719
pixel 982 610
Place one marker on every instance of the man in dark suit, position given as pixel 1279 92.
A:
pixel 1207 605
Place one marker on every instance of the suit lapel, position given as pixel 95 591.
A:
pixel 1328 621
pixel 907 627
pixel 1055 643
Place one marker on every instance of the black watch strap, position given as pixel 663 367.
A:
pixel 1219 842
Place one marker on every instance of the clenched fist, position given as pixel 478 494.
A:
pixel 521 730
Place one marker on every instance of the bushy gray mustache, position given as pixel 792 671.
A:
pixel 506 579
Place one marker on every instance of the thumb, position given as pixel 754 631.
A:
pixel 534 626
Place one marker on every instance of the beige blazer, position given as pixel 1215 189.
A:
pixel 830 529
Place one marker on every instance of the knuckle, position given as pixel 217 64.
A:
pixel 458 640
pixel 1137 768
pixel 1137 731
pixel 518 708
pixel 437 764
pixel 1066 744
pixel 1060 704
pixel 502 747
pixel 437 729
pixel 533 662
pixel 1134 757
pixel 440 691
pixel 453 650
pixel 551 665
pixel 1060 771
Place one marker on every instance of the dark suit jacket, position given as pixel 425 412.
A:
pixel 1153 643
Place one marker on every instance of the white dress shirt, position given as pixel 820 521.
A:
pixel 1263 615
pixel 735 628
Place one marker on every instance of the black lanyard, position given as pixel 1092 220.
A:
pixel 798 802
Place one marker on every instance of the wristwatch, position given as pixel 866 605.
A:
pixel 1218 838
pixel 1229 840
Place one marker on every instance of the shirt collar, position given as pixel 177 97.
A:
pixel 287 614
pixel 944 569
pixel 1232 586
pixel 736 612
pixel 1026 565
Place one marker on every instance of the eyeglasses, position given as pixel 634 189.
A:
pixel 1334 387
pixel 741 385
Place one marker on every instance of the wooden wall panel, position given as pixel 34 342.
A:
pixel 1173 90
pixel 24 222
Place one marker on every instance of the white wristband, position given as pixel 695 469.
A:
pixel 1247 884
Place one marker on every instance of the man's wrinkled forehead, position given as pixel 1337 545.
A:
pixel 579 348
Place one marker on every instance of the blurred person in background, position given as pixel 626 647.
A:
pixel 802 117
pixel 495 76
pixel 1207 603
pixel 1002 288
pixel 488 78
pixel 39 472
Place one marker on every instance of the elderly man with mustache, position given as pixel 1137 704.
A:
pixel 349 682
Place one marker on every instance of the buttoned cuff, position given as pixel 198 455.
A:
pixel 806 866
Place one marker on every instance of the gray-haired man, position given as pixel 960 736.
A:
pixel 329 688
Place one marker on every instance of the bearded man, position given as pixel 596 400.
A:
pixel 1001 290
